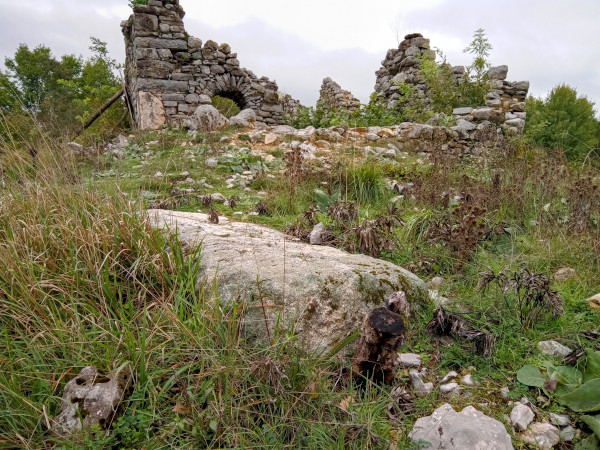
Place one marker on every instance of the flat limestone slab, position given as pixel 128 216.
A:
pixel 323 292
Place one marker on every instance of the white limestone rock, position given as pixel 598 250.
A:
pixel 323 292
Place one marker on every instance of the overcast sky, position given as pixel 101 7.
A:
pixel 299 43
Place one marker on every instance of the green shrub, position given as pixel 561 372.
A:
pixel 226 106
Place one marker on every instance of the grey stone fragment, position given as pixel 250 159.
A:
pixel 245 118
pixel 316 235
pixel 323 287
pixel 521 416
pixel 207 118
pixel 483 113
pixel 462 111
pixel 542 435
pixel 194 43
pixel 448 387
pixel 567 434
pixel 498 73
pixel 553 348
pixel 561 420
pixel 469 429
pixel 410 360
pixel 212 162
pixel 420 388
pixel 93 397
pixel 436 283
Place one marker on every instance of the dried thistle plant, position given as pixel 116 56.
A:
pixel 529 292
pixel 262 209
pixel 213 216
pixel 343 211
pixel 446 323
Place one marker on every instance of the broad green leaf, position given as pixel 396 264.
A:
pixel 592 370
pixel 590 443
pixel 565 375
pixel 583 399
pixel 593 422
pixel 531 376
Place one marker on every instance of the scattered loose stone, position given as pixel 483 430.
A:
pixel 436 283
pixel 469 429
pixel 561 420
pixel 92 398
pixel 448 387
pixel 421 389
pixel 410 360
pixel 316 235
pixel 564 274
pixel 521 416
pixel 567 434
pixel 271 138
pixel 505 391
pixel 553 348
pixel 212 162
pixel 158 175
pixel 218 198
pixel 449 376
pixel 541 434
pixel 594 301
pixel 467 380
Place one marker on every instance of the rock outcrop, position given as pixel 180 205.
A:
pixel 323 292
pixel 168 73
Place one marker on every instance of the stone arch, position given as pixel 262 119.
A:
pixel 234 88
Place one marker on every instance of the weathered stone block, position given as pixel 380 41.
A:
pixel 154 68
pixel 146 53
pixel 182 76
pixel 194 42
pixel 145 22
pixel 162 85
pixel 171 44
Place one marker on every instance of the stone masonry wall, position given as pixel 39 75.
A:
pixel 505 104
pixel 169 73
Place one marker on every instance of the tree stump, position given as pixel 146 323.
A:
pixel 376 355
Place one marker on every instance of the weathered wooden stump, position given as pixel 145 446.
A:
pixel 376 355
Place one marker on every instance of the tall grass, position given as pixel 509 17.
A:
pixel 85 280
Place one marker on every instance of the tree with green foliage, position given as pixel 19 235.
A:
pixel 563 120
pixel 37 73
pixel 60 94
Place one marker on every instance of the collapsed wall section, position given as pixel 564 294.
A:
pixel 168 73
pixel 333 97
pixel 504 104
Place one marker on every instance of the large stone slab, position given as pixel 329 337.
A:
pixel 323 292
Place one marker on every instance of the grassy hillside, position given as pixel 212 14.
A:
pixel 84 280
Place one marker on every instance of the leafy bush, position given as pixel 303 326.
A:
pixel 225 106
pixel 563 120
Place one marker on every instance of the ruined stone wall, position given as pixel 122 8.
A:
pixel 333 97
pixel 169 73
pixel 505 104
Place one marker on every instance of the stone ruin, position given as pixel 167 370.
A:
pixel 505 104
pixel 169 74
pixel 332 96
